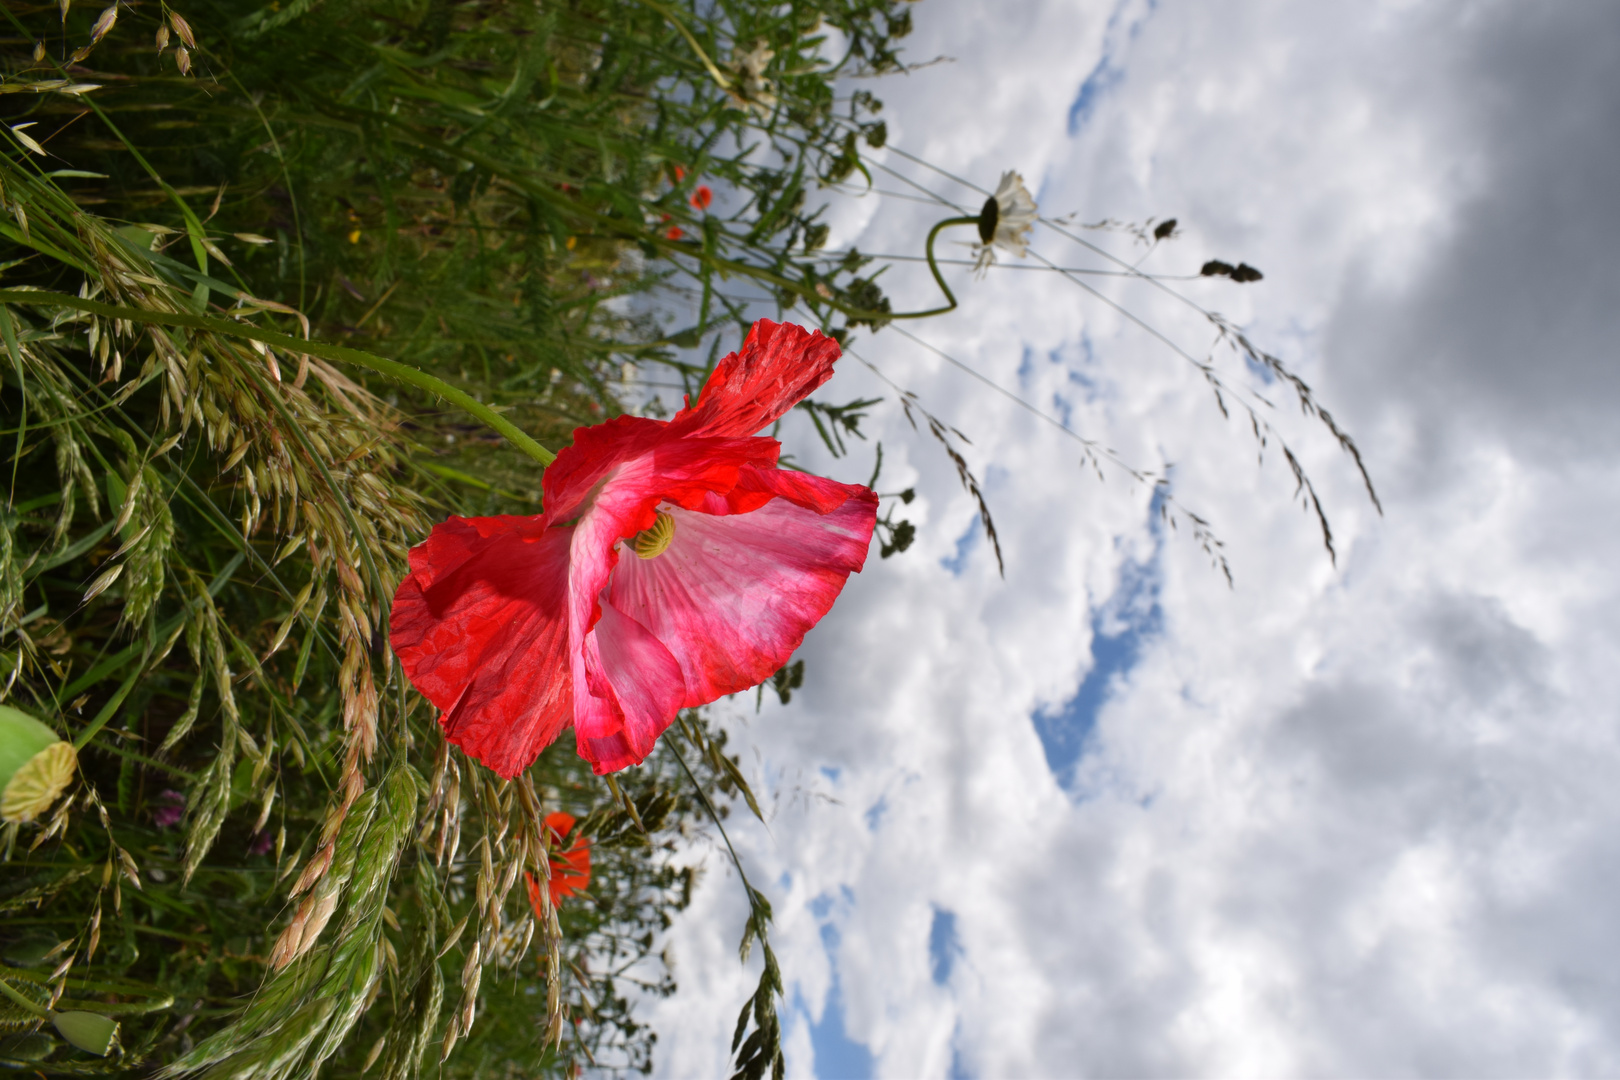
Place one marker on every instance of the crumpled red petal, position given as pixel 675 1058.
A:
pixel 778 366
pixel 595 452
pixel 480 627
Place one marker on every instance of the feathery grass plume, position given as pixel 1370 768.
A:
pixel 304 1012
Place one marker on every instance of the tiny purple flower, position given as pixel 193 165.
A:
pixel 171 809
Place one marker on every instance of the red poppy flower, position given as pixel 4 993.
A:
pixel 680 172
pixel 570 870
pixel 702 197
pixel 674 564
pixel 675 232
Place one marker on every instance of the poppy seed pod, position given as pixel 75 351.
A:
pixel 35 766
pixel 90 1032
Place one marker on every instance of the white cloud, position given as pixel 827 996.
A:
pixel 1351 820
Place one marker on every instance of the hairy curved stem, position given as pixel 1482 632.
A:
pixel 32 1006
pixel 338 353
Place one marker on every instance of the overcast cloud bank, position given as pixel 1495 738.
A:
pixel 1352 819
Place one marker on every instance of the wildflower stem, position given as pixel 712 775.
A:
pixel 933 265
pixel 714 815
pixel 339 353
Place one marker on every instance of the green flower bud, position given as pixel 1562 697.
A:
pixel 35 766
pixel 90 1032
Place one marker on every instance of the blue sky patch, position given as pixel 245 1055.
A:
pixel 1103 77
pixel 943 945
pixel 964 547
pixel 837 1056
pixel 1123 26
pixel 1119 627
pixel 874 813
pixel 959 1069
pixel 1257 369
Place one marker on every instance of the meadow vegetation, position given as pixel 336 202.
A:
pixel 280 286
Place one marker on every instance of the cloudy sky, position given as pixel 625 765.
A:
pixel 1110 816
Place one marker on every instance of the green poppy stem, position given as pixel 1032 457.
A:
pixel 337 353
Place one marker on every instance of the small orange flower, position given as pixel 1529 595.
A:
pixel 675 232
pixel 570 870
pixel 680 172
pixel 702 197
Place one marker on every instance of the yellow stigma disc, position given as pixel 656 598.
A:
pixel 37 784
pixel 652 542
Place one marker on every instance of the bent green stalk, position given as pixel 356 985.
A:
pixel 342 354
pixel 934 266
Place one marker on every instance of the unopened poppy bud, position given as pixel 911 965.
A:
pixel 34 766
pixel 90 1032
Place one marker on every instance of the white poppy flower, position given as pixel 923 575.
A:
pixel 1005 221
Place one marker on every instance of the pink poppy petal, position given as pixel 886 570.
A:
pixel 689 472
pixel 635 689
pixel 733 596
pixel 778 366
pixel 480 629
pixel 618 709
